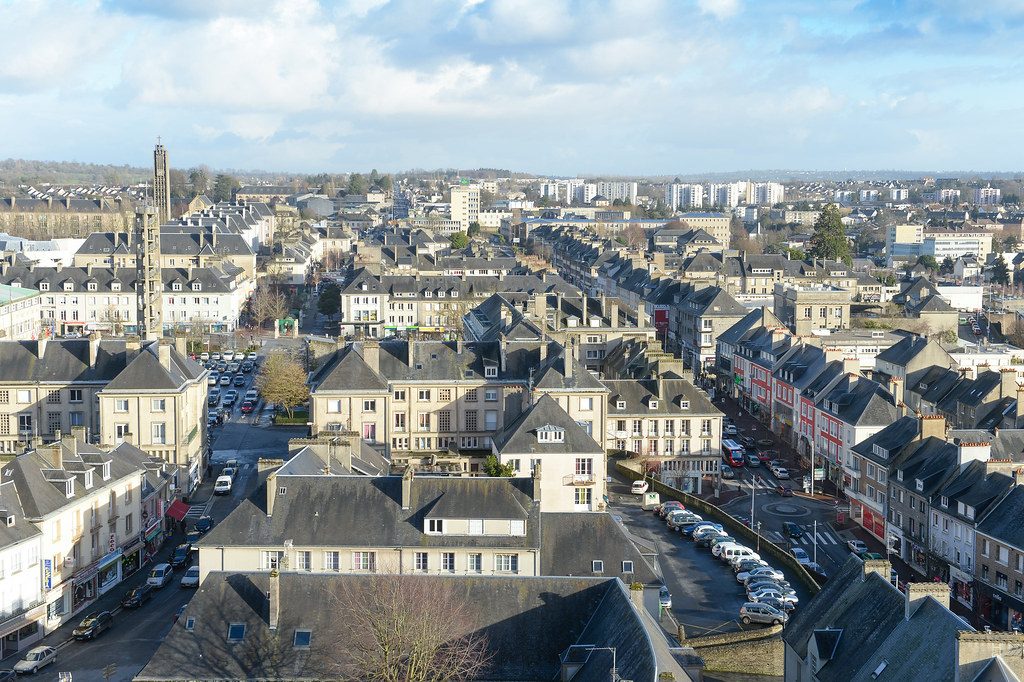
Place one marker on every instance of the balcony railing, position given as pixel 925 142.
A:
pixel 578 479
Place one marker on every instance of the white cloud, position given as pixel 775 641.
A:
pixel 720 9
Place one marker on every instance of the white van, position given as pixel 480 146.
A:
pixel 737 553
pixel 222 486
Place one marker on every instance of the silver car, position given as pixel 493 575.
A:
pixel 753 612
pixel 35 659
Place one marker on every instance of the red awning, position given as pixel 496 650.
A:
pixel 177 510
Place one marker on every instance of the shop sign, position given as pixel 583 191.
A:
pixel 48 574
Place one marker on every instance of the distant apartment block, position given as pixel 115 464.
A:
pixel 623 191
pixel 466 205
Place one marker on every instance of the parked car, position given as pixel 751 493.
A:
pixel 252 357
pixel 765 442
pixel 252 395
pixel 233 367
pixel 817 571
pixel 137 596
pixel 93 625
pixel 222 485
pixel 246 367
pixel 160 575
pixel 748 565
pixel 871 556
pixel 664 598
pixel 212 379
pixel 792 530
pixel 36 658
pixel 784 606
pixel 856 546
pixel 204 524
pixel 669 506
pixel 766 456
pixel 213 398
pixel 193 536
pixel 761 571
pixel 772 594
pixel 230 397
pixel 182 555
pixel 758 584
pixel 744 519
pixel 229 471
pixel 727 471
pixel 204 356
pixel 225 380
pixel 678 519
pixel 239 356
pixel 639 487
pixel 191 577
pixel 215 356
pixel 747 441
pixel 696 528
pixel 712 541
pixel 784 490
pixel 753 612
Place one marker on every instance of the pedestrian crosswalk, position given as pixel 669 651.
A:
pixel 758 482
pixel 824 536
pixel 196 511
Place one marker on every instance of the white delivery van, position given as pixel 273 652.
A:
pixel 737 552
pixel 650 501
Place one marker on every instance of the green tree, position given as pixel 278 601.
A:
pixel 928 261
pixel 492 467
pixel 947 265
pixel 329 301
pixel 356 184
pixel 474 229
pixel 1011 243
pixel 224 187
pixel 199 179
pixel 282 380
pixel 796 254
pixel 829 240
pixel 459 240
pixel 1000 272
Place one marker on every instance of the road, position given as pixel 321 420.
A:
pixel 137 633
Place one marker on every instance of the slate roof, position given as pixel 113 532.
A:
pixel 973 485
pixel 931 461
pixel 894 437
pixel 527 622
pixel 63 360
pixel 637 394
pixel 1004 521
pixel 902 352
pixel 520 436
pixel 146 373
pixel 573 540
pixel 861 402
pixel 10 505
pixel 365 511
pixel 346 370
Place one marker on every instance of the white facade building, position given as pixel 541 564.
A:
pixel 465 204
pixel 623 191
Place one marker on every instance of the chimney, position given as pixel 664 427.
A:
pixel 181 345
pixel 879 566
pixel 41 347
pixel 163 353
pixel 896 389
pixel 536 482
pixel 371 354
pixel 88 270
pixel 132 348
pixel 613 314
pixel 129 438
pixel 583 311
pixel 54 453
pixel 407 488
pixel 558 311
pixel 974 651
pixel 916 593
pixel 503 353
pixel 540 307
pixel 94 347
pixel 543 347
pixel 641 315
pixel 69 441
pixel 271 492
pixel 459 347
pixel 851 365
pixel 971 452
pixel 1008 383
pixel 569 357
pixel 274 599
pixel 79 433
pixel 764 315
pixel 931 426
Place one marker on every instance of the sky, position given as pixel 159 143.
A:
pixel 561 87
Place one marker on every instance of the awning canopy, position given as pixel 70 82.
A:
pixel 177 510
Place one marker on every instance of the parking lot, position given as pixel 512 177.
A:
pixel 706 597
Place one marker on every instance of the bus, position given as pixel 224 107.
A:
pixel 732 453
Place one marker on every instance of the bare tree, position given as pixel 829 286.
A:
pixel 282 380
pixel 112 315
pixel 635 236
pixel 409 629
pixel 268 303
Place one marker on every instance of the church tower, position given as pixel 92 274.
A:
pixel 149 287
pixel 161 183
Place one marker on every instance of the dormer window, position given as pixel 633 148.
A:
pixel 106 471
pixel 944 501
pixel 440 294
pixel 882 452
pixel 88 479
pixel 899 473
pixel 91 286
pixel 115 286
pixel 43 286
pixel 363 286
pixel 435 527
pixel 550 434
pixel 652 404
pixel 69 286
pixel 176 286
pixel 491 371
pixel 196 286
pixel 455 294
pixel 16 283
pixel 69 488
pixel 919 484
pixel 620 404
pixel 428 294
pixel 684 404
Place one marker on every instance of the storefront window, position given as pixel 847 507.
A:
pixel 1016 622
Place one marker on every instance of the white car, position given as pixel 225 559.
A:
pixel 856 546
pixel 763 572
pixel 160 575
pixel 730 430
pixel 783 597
pixel 800 555
pixel 781 473
pixel 239 356
pixel 35 659
pixel 191 577
pixel 222 486
pixel 639 487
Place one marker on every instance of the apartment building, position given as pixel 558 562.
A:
pixel 426 525
pixel 622 191
pixel 700 316
pixel 50 217
pixel 987 196
pixel 670 424
pixel 22 607
pixel 681 197
pixel 1000 562
pixel 465 206
pixel 199 247
pixel 20 313
pixel 810 309
pixel 158 404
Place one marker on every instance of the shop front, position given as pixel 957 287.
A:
pixel 21 631
pixel 998 609
pixel 132 557
pixel 961 586
pixel 153 536
pixel 109 572
pixel 916 557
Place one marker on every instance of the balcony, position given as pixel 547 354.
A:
pixel 579 480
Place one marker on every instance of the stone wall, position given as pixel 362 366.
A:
pixel 754 652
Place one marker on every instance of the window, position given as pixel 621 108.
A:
pixel 400 395
pixel 53 397
pixel 128 523
pixel 583 496
pixel 984 547
pixel 369 406
pixel 491 371
pixel 121 405
pixel 472 395
pixel 424 395
pixel 435 526
pixel 550 434
pixel 271 560
pixel 190 623
pixel 491 395
pixel 423 420
pixel 490 420
pixel 944 501
pixel 421 562
pixel 586 404
pixel 444 394
pixel 597 566
pixel 476 527
pixel 302 639
pixel 331 561
pixel 475 563
pixel 24 396
pixel 24 423
pixel 75 395
pixel 627 566
pixel 471 420
pixel 444 421
pixel 333 406
pixel 517 527
pixel 159 405
pixel 303 560
pixel 1003 555
pixel 448 562
pixel 364 561
pixel 236 632
pixel 159 433
pixel 399 421
pixel 506 563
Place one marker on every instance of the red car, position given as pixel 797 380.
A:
pixel 765 456
pixel 248 406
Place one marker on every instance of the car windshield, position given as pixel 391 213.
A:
pixel 157 573
pixel 34 656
